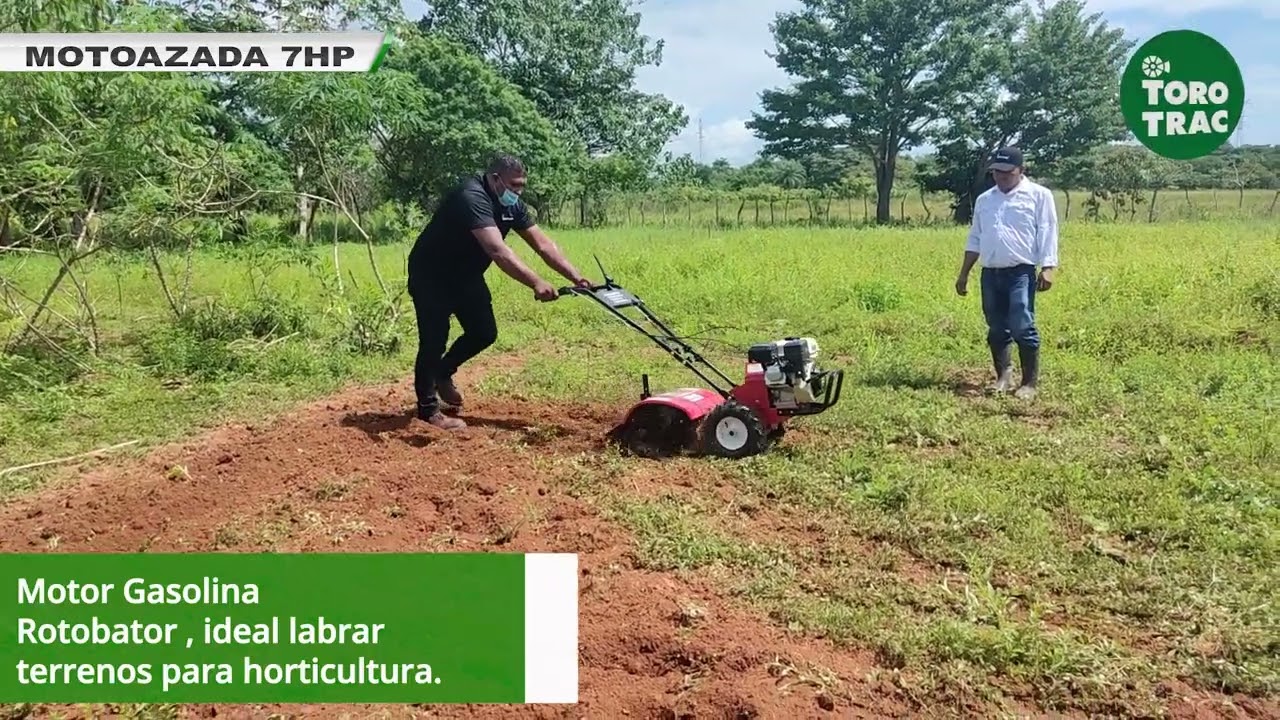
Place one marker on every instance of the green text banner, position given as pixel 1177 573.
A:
pixel 289 628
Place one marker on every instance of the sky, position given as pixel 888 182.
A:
pixel 715 60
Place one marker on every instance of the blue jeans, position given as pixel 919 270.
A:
pixel 1009 304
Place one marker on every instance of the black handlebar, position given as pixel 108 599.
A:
pixel 575 290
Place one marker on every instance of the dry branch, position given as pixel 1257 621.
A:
pixel 69 458
pixel 63 271
pixel 337 202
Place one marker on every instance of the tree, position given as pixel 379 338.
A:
pixel 1122 174
pixel 129 149
pixel 719 175
pixel 677 171
pixel 600 179
pixel 1073 173
pixel 292 16
pixel 576 60
pixel 1244 171
pixel 290 112
pixel 28 16
pixel 455 112
pixel 789 174
pixel 1053 93
pixel 826 168
pixel 875 75
pixel 322 123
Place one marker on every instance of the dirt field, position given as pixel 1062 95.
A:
pixel 352 473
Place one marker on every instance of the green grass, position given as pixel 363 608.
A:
pixel 1120 530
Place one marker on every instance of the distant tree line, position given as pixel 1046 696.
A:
pixel 1107 174
pixel 93 160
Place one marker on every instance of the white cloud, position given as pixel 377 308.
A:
pixel 715 50
pixel 715 63
pixel 728 139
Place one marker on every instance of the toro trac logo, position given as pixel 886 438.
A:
pixel 1182 94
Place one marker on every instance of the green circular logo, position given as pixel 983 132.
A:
pixel 1182 94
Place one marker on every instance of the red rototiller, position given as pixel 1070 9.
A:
pixel 730 420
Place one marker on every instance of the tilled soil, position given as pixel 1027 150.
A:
pixel 356 473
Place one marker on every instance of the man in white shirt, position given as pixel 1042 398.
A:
pixel 1015 228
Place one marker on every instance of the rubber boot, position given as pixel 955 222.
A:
pixel 1030 358
pixel 1002 359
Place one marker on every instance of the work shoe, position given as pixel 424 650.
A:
pixel 1030 358
pixel 448 393
pixel 440 420
pixel 1002 359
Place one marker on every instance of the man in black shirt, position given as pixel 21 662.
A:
pixel 446 277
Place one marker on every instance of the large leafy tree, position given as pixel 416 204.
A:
pixel 95 159
pixel 576 60
pixel 1053 93
pixel 30 16
pixel 315 123
pixel 454 114
pixel 876 75
pixel 79 144
pixel 291 15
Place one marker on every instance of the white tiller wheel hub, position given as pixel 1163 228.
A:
pixel 731 433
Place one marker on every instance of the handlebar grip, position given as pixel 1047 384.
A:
pixel 574 290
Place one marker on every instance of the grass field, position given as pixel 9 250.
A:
pixel 1120 531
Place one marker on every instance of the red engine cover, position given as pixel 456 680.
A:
pixel 755 394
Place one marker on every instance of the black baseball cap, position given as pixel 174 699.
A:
pixel 1006 159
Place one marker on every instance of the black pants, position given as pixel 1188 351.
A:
pixel 472 304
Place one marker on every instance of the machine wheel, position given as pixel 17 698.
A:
pixel 654 431
pixel 733 430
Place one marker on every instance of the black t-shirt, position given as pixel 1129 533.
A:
pixel 446 253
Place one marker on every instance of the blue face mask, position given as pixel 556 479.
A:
pixel 507 198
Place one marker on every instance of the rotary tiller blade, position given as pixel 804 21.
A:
pixel 655 431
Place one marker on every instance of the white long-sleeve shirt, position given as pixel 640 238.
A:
pixel 1017 228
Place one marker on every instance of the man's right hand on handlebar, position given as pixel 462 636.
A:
pixel 544 291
